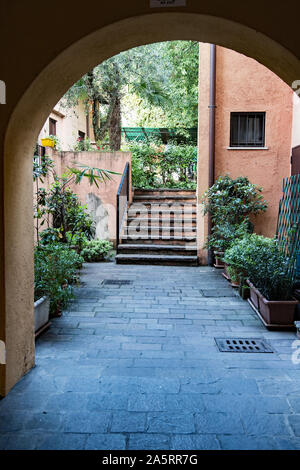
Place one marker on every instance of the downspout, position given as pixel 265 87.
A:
pixel 212 132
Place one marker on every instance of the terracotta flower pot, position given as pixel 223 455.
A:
pixel 274 312
pixel 225 273
pixel 244 292
pixel 219 263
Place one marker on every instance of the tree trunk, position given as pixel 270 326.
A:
pixel 95 119
pixel 115 126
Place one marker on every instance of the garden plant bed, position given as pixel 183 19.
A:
pixel 269 326
pixel 273 314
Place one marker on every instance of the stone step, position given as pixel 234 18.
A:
pixel 137 210
pixel 165 192
pixel 167 260
pixel 150 221
pixel 171 206
pixel 163 199
pixel 179 229
pixel 183 250
pixel 158 239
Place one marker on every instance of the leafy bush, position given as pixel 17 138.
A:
pixel 67 212
pixel 83 145
pixel 234 275
pixel 76 240
pixel 233 200
pixel 96 250
pixel 225 233
pixel 241 254
pixel 50 235
pixel 55 270
pixel 259 259
pixel 155 165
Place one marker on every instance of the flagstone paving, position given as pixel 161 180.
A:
pixel 137 367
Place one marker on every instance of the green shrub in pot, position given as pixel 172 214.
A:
pixel 233 200
pixel 56 269
pixel 259 259
pixel 234 275
pixel 225 233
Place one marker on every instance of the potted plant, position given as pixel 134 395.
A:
pixel 234 276
pixel 267 269
pixel 48 141
pixel 244 290
pixel 233 200
pixel 41 313
pixel 56 269
pixel 223 235
pixel 230 203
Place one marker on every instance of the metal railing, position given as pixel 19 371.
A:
pixel 122 201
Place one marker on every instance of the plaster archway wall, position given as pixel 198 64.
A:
pixel 42 81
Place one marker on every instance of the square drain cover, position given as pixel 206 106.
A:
pixel 116 282
pixel 243 345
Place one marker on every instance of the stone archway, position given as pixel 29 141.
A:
pixel 16 321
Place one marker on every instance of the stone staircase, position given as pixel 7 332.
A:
pixel 160 229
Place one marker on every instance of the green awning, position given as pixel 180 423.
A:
pixel 144 134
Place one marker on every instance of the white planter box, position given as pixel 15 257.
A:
pixel 41 313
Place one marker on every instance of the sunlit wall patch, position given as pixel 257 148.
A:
pixel 2 92
pixel 2 353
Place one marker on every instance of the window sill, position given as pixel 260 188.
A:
pixel 247 148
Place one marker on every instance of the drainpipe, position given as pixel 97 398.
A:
pixel 212 131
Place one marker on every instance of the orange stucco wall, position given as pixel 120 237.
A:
pixel 243 84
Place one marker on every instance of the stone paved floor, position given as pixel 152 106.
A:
pixel 137 367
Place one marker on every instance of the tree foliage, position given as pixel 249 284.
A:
pixel 161 79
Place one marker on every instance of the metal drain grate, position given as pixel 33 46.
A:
pixel 116 282
pixel 243 345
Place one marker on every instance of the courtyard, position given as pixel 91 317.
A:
pixel 136 366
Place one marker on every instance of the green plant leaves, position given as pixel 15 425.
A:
pixel 94 175
pixel 259 259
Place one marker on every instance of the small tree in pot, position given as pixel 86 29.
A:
pixel 231 202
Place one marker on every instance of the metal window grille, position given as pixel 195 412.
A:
pixel 247 129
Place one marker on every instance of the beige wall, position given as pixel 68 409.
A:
pixel 68 123
pixel 38 72
pixel 245 85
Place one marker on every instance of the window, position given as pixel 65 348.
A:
pixel 81 135
pixel 247 129
pixel 52 126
